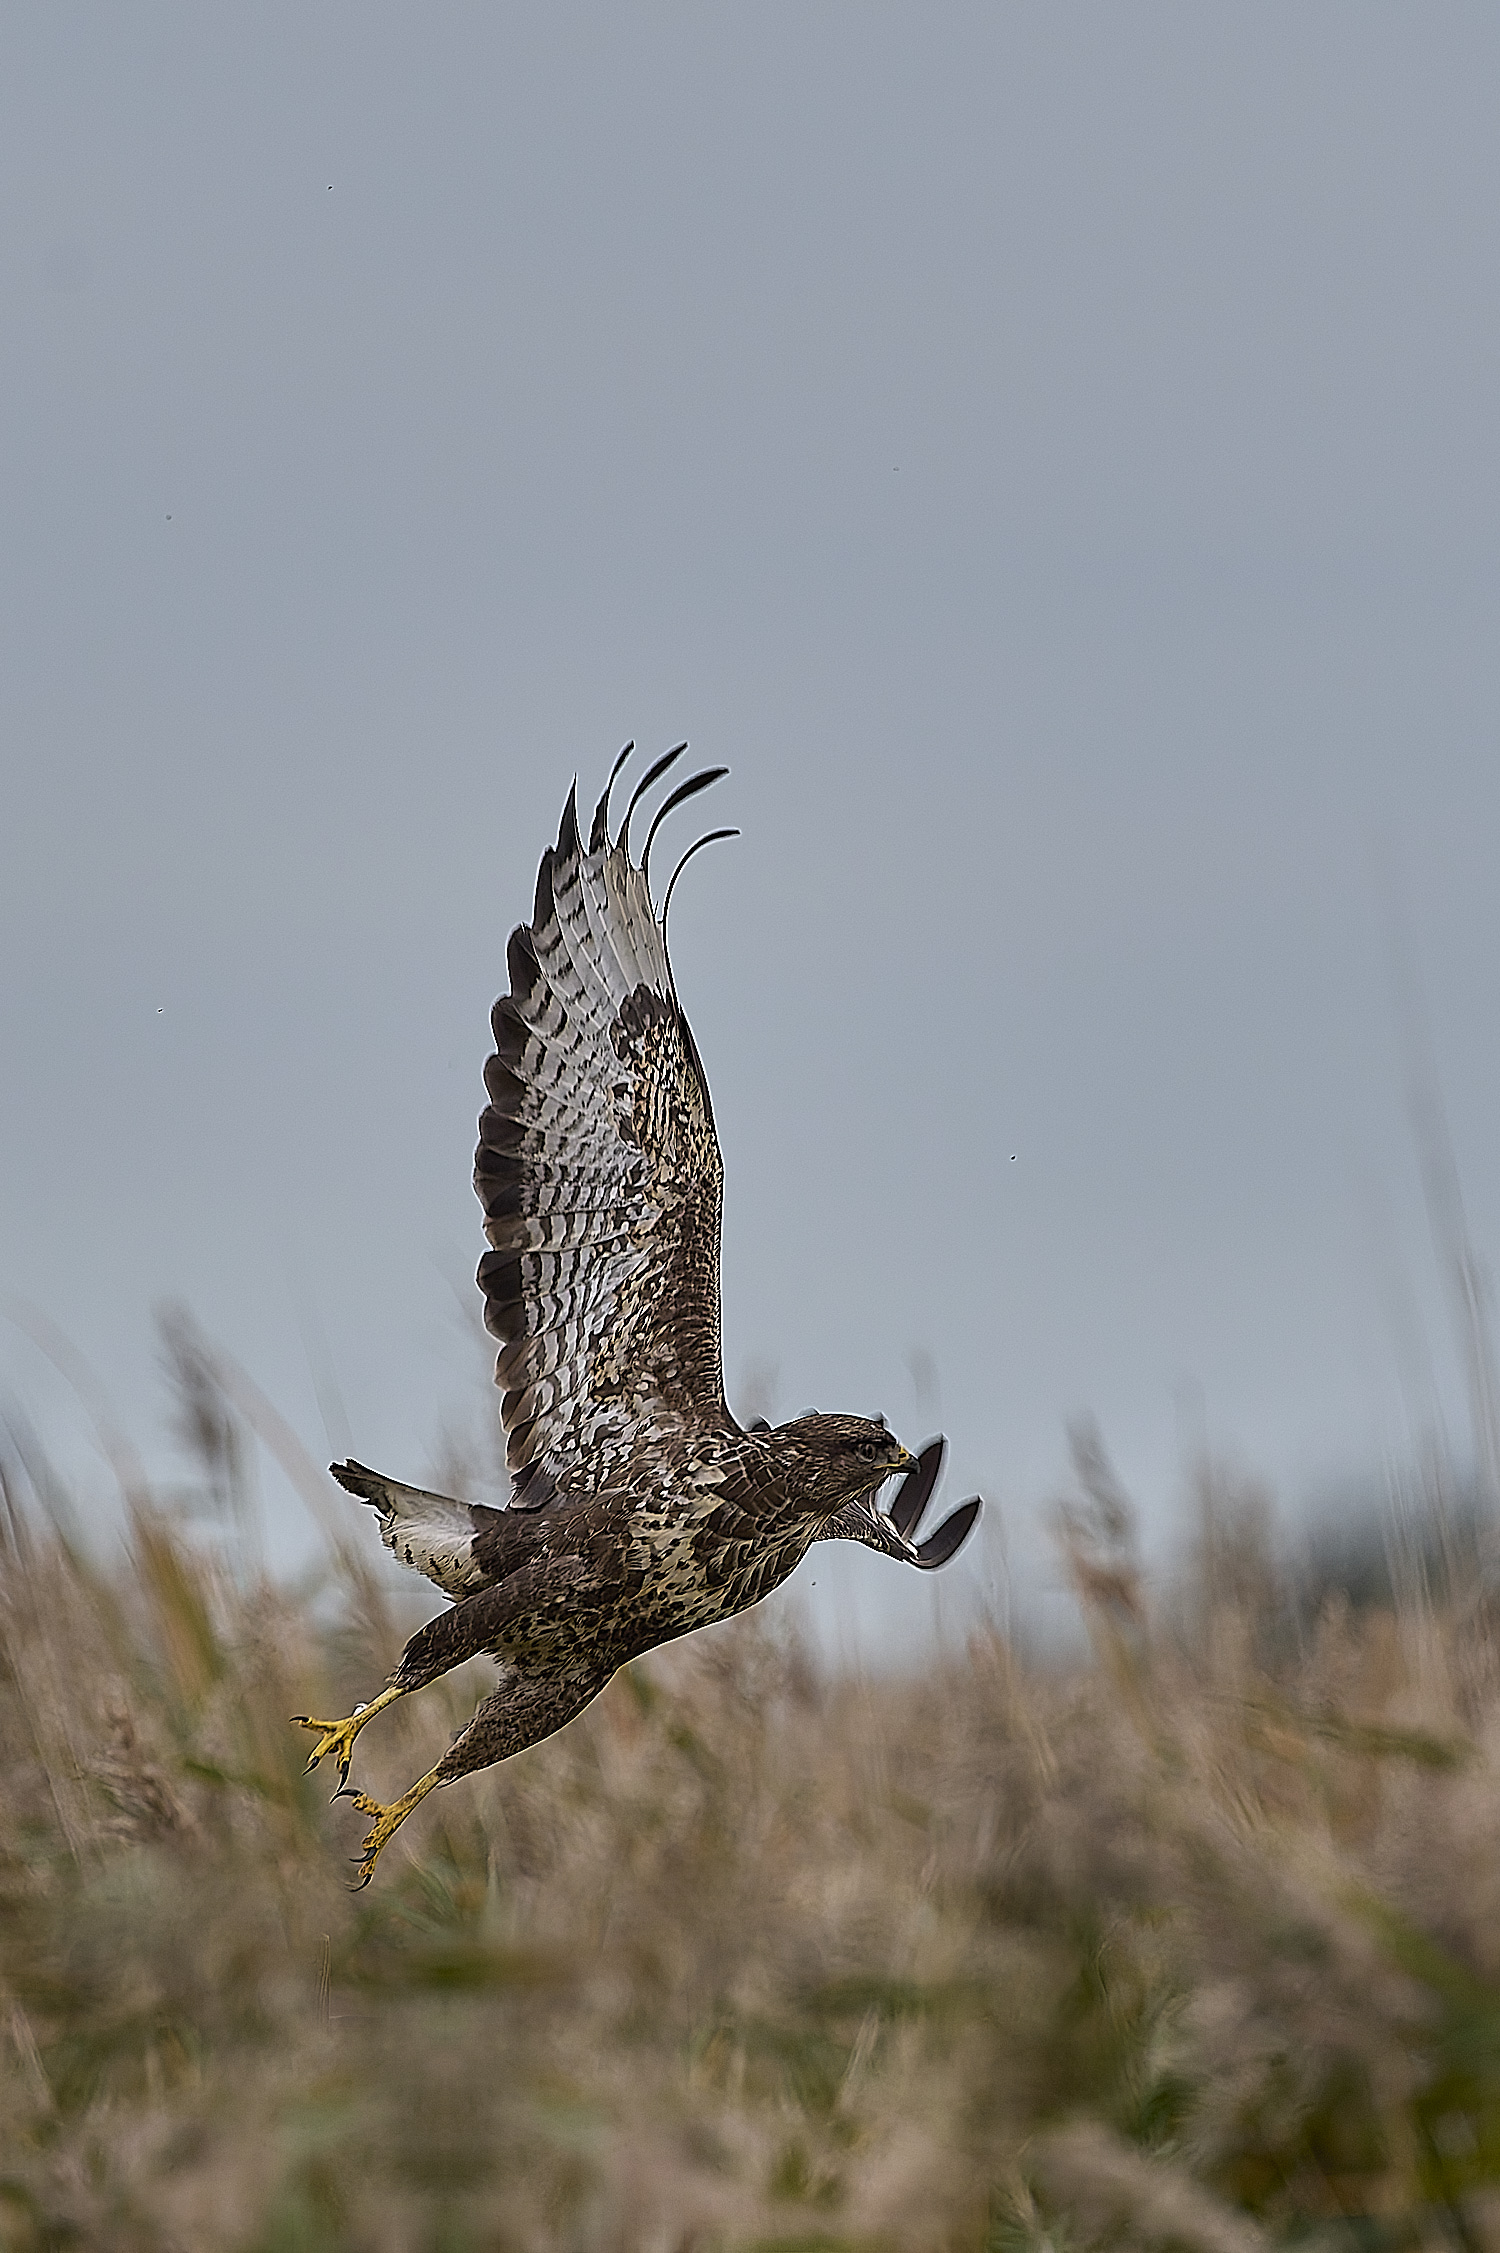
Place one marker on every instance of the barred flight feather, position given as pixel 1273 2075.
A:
pixel 598 1141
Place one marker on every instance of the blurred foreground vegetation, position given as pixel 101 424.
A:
pixel 1193 1944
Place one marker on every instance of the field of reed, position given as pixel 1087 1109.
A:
pixel 1192 1943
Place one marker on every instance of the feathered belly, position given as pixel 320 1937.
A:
pixel 695 1579
pixel 673 1580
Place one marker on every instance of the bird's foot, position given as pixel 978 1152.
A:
pixel 387 1821
pixel 338 1736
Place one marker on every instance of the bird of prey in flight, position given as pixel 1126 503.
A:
pixel 639 1508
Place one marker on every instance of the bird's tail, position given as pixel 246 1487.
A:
pixel 433 1533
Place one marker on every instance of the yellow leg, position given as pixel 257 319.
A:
pixel 388 1820
pixel 339 1736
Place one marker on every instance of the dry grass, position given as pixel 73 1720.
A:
pixel 1197 1945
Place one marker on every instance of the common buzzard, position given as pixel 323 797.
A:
pixel 639 1509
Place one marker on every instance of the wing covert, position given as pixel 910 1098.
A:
pixel 599 1171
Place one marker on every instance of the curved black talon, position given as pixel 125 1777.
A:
pixel 343 1772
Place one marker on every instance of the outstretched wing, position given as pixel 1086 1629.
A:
pixel 600 1176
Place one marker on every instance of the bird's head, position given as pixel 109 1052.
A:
pixel 838 1457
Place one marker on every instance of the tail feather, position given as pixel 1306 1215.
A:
pixel 433 1533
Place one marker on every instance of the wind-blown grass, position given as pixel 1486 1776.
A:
pixel 1196 1944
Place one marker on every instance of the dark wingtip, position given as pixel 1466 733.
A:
pixel 653 774
pixel 680 795
pixel 711 839
pixel 599 827
pixel 541 906
pixel 916 1488
pixel 950 1536
pixel 567 830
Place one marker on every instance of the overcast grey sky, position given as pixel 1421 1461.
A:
pixel 1049 453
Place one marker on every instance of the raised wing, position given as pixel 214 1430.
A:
pixel 600 1176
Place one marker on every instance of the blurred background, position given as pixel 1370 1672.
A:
pixel 1050 455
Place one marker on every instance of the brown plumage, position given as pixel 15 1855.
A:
pixel 640 1509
